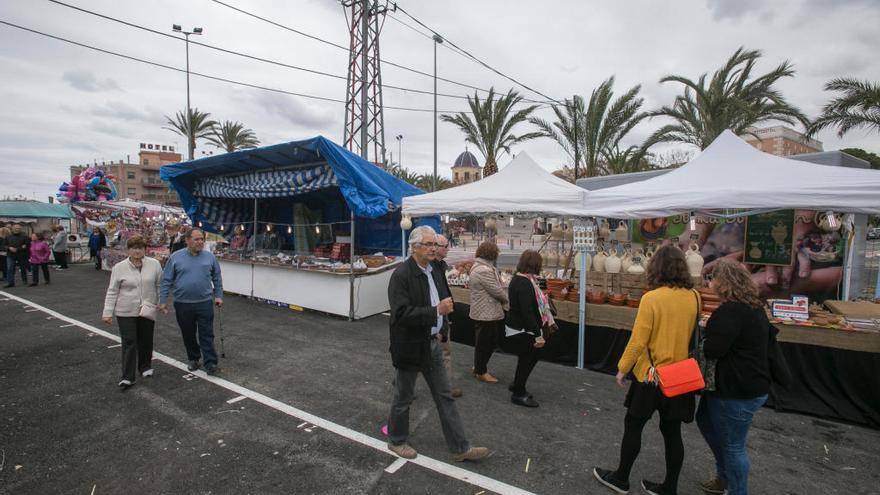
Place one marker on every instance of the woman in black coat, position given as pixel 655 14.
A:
pixel 529 314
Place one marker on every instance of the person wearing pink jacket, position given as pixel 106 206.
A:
pixel 39 253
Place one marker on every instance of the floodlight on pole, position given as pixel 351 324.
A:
pixel 190 138
pixel 399 139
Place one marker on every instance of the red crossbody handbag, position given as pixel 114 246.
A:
pixel 680 377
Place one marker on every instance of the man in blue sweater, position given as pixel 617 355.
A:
pixel 195 275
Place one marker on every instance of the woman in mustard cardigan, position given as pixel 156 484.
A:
pixel 663 326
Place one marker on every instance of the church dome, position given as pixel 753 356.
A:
pixel 466 159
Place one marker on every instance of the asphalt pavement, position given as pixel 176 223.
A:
pixel 299 407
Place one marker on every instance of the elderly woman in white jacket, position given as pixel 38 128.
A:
pixel 132 297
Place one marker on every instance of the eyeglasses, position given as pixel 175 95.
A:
pixel 428 244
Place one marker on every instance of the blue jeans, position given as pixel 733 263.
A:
pixel 11 261
pixel 197 319
pixel 725 425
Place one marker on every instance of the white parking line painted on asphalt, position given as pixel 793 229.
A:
pixel 435 465
pixel 236 399
pixel 394 466
pixel 68 325
pixel 114 346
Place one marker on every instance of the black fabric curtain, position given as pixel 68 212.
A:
pixel 829 383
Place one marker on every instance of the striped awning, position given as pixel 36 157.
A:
pixel 266 184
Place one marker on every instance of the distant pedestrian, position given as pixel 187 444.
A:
pixel 97 242
pixel 59 247
pixel 39 253
pixel 178 239
pixel 194 275
pixel 239 241
pixel 660 336
pixel 742 341
pixel 4 233
pixel 132 296
pixel 16 254
pixel 488 303
pixel 527 325
pixel 439 264
pixel 419 301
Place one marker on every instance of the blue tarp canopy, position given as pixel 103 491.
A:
pixel 220 190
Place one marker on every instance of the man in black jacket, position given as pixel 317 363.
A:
pixel 16 253
pixel 419 300
pixel 439 265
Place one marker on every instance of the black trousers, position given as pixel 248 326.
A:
pixel 523 345
pixel 60 258
pixel 485 341
pixel 137 345
pixel 35 272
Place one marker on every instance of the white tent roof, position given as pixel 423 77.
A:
pixel 520 187
pixel 730 173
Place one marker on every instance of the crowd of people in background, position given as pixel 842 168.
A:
pixel 31 253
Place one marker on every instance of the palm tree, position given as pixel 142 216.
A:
pixel 632 159
pixel 233 136
pixel 426 182
pixel 199 122
pixel 599 129
pixel 858 106
pixel 732 99
pixel 491 128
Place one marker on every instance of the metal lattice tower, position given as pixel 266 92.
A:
pixel 364 121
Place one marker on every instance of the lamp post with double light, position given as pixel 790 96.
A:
pixel 437 40
pixel 191 140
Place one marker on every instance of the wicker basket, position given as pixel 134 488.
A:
pixel 373 261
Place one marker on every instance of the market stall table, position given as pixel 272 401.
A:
pixel 836 372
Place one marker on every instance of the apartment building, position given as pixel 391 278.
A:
pixel 782 141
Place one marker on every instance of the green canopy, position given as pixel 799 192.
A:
pixel 10 210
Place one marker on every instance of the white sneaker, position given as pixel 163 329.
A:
pixel 125 383
pixel 148 372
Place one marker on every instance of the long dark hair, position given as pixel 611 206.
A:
pixel 668 268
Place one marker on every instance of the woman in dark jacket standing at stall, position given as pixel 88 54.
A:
pixel 529 314
pixel 742 340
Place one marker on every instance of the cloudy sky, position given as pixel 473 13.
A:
pixel 64 104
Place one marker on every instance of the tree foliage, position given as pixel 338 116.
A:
pixel 233 136
pixel 857 106
pixel 490 124
pixel 732 99
pixel 200 122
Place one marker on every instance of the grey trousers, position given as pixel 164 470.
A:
pixel 438 381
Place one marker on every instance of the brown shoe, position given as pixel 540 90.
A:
pixel 403 450
pixel 486 377
pixel 714 486
pixel 473 454
pixel 456 392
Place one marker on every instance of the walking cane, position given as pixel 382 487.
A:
pixel 220 321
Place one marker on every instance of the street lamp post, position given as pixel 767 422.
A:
pixel 437 40
pixel 399 138
pixel 191 140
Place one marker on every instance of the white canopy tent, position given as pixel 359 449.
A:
pixel 730 173
pixel 520 187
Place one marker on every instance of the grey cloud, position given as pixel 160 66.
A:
pixel 86 81
pixel 124 111
pixel 734 9
pixel 294 111
pixel 111 129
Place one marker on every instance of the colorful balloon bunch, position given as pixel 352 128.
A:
pixel 90 185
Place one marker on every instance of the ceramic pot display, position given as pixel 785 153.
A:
pixel 694 260
pixel 827 221
pixel 636 267
pixel 626 260
pixel 579 257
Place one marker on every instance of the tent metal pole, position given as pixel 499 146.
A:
pixel 351 274
pixel 582 306
pixel 254 254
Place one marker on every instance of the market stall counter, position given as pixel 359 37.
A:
pixel 836 372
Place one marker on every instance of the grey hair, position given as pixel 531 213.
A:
pixel 417 233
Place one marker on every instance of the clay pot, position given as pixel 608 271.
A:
pixel 616 299
pixel 622 232
pixel 612 263
pixel 604 229
pixel 596 297
pixel 694 260
pixel 599 261
pixel 626 260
